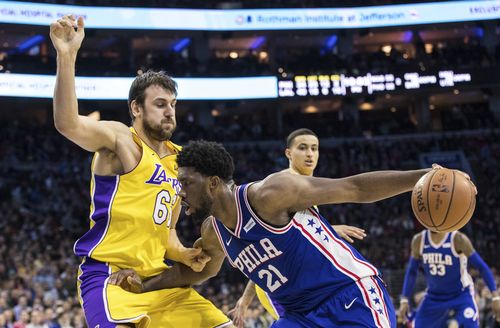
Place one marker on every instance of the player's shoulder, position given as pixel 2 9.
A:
pixel 207 229
pixel 462 244
pixel 418 236
pixel 209 235
pixel 460 239
pixel 177 148
pixel 122 132
pixel 259 191
pixel 417 240
pixel 272 182
pixel 268 193
pixel 461 235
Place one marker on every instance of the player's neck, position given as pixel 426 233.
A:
pixel 437 237
pixel 224 207
pixel 292 170
pixel 159 146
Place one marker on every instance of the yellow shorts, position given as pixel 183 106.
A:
pixel 106 305
pixel 272 307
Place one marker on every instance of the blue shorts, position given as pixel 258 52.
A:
pixel 364 303
pixel 436 312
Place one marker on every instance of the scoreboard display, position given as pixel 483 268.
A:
pixel 344 85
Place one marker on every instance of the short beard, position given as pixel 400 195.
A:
pixel 157 133
pixel 203 212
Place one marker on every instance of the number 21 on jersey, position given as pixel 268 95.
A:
pixel 274 278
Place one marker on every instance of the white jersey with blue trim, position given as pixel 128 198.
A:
pixel 445 270
pixel 298 265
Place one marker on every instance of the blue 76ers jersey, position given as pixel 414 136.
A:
pixel 298 265
pixel 445 270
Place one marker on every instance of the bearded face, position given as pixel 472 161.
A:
pixel 157 115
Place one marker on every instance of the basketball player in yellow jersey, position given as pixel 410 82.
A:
pixel 302 152
pixel 134 205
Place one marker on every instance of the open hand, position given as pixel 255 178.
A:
pixel 346 232
pixel 238 313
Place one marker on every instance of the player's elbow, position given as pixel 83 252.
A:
pixel 204 276
pixel 200 280
pixel 66 128
pixel 210 271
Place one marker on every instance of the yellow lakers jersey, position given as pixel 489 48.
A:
pixel 130 214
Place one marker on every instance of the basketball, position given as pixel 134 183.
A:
pixel 443 200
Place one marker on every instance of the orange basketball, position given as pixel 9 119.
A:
pixel 443 200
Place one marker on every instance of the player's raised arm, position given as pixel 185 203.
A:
pixel 67 35
pixel 285 191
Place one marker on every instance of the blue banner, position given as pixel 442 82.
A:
pixel 253 19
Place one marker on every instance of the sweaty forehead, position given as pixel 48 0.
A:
pixel 307 139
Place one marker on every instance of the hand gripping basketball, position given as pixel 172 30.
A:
pixel 444 200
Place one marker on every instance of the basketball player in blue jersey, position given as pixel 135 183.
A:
pixel 444 257
pixel 302 151
pixel 134 203
pixel 272 233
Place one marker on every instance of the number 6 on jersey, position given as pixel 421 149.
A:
pixel 161 211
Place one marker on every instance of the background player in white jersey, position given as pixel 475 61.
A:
pixel 444 257
pixel 302 151
pixel 271 232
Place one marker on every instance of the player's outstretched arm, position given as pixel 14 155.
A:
pixel 410 277
pixel 67 35
pixel 463 245
pixel 239 312
pixel 303 192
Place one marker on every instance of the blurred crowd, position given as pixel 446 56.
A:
pixel 287 59
pixel 44 202
pixel 258 125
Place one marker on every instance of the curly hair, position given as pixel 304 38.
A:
pixel 208 158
